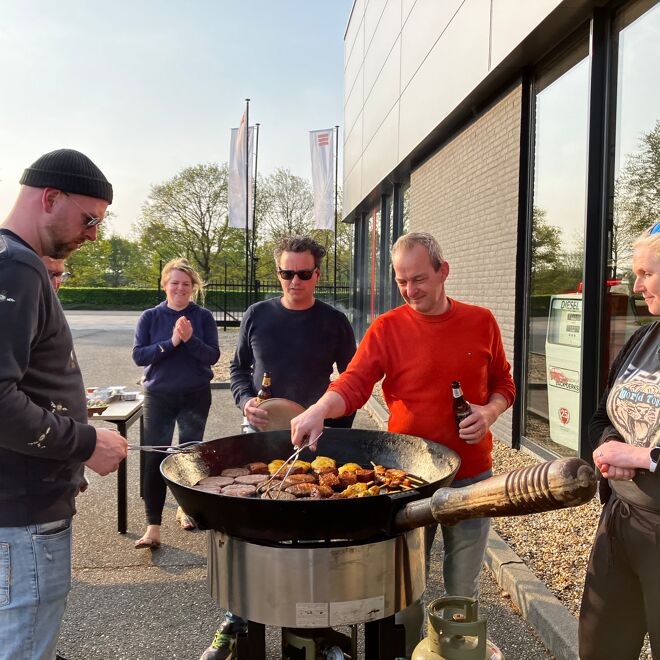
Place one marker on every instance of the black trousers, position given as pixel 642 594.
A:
pixel 621 600
pixel 160 413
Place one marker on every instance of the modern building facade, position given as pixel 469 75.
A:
pixel 525 136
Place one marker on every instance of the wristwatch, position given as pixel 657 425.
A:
pixel 655 458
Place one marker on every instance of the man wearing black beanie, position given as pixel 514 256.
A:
pixel 45 439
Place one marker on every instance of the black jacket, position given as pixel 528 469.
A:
pixel 44 435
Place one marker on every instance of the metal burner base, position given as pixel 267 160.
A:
pixel 316 586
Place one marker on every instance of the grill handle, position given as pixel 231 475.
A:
pixel 558 484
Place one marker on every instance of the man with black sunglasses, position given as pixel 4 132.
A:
pixel 298 340
pixel 45 439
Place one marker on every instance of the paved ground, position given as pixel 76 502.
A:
pixel 135 605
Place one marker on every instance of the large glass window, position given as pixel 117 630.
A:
pixel 636 168
pixel 557 247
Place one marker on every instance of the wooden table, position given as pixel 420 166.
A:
pixel 123 414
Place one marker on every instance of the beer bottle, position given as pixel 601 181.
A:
pixel 264 392
pixel 460 405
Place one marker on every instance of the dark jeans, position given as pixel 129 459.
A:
pixel 621 599
pixel 160 412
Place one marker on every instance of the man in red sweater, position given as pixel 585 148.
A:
pixel 420 348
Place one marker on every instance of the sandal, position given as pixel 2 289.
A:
pixel 185 520
pixel 146 543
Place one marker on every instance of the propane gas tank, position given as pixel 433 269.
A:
pixel 455 632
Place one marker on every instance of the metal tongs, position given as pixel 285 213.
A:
pixel 267 485
pixel 183 448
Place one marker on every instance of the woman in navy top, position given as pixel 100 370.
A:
pixel 176 342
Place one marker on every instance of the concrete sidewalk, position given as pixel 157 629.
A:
pixel 129 604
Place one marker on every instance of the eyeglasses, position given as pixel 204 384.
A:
pixel 290 274
pixel 92 221
pixel 655 229
pixel 59 275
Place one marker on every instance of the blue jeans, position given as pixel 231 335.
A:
pixel 35 579
pixel 465 547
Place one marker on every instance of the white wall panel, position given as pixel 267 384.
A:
pixel 384 94
pixel 372 13
pixel 352 191
pixel 378 50
pixel 426 22
pixel 440 85
pixel 406 6
pixel 354 25
pixel 512 21
pixel 354 63
pixel 353 144
pixel 381 153
pixel 353 104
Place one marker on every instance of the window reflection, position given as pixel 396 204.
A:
pixel 554 343
pixel 636 202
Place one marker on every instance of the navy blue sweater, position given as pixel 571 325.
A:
pixel 174 369
pixel 298 348
pixel 44 434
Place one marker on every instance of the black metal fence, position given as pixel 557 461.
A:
pixel 227 300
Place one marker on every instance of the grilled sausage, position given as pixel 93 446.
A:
pixel 331 480
pixel 294 479
pixel 320 492
pixel 347 478
pixel 325 470
pixel 257 468
pixel 275 494
pixel 365 476
pixel 309 490
pixel 234 472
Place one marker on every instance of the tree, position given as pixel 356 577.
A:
pixel 186 216
pixel 286 205
pixel 88 265
pixel 636 195
pixel 546 242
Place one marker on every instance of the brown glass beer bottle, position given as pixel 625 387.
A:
pixel 264 392
pixel 460 405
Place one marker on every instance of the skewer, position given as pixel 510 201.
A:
pixel 290 462
pixel 416 479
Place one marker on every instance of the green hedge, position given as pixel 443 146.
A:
pixel 109 298
pixel 137 299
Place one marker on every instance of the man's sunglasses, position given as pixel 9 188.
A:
pixel 290 274
pixel 655 229
pixel 92 221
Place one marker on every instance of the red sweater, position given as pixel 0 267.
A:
pixel 420 355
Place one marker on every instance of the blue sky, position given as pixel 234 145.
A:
pixel 148 87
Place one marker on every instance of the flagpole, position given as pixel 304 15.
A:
pixel 253 270
pixel 336 183
pixel 247 201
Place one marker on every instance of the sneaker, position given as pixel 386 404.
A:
pixel 224 640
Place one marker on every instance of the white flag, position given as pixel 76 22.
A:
pixel 236 189
pixel 323 178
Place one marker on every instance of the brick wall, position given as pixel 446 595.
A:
pixel 466 195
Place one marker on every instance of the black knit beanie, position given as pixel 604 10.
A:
pixel 70 171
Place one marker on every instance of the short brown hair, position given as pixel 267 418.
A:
pixel 426 240
pixel 184 266
pixel 299 244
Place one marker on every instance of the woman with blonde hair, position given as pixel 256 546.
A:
pixel 176 342
pixel 621 600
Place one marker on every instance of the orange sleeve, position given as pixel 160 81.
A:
pixel 365 369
